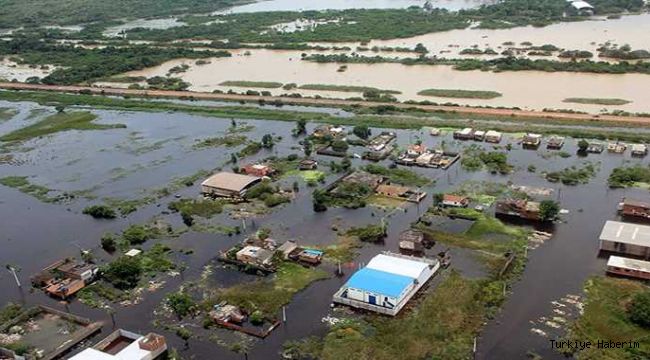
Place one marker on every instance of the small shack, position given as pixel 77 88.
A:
pixel 493 137
pixel 258 170
pixel 625 238
pixel 616 147
pixel 255 255
pixel 401 193
pixel 524 209
pixel 307 164
pixel 635 208
pixel 450 200
pixel 229 185
pixel 555 142
pixel 464 134
pixel 627 267
pixel 639 150
pixel 531 141
pixel 411 240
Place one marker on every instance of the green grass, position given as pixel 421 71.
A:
pixel 7 113
pixel 270 295
pixel 346 88
pixel 605 318
pixel 79 120
pixel 203 208
pixel 597 101
pixel 460 94
pixel 399 175
pixel 228 141
pixel 629 176
pixel 22 184
pixel 253 84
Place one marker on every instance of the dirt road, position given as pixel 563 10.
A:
pixel 522 114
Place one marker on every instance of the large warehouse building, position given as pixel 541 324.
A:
pixel 387 283
pixel 626 238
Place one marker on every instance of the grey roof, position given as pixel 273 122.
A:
pixel 627 263
pixel 229 181
pixel 626 233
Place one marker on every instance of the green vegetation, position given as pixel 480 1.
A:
pixel 9 311
pixel 626 176
pixel 639 309
pixel 606 317
pixel 370 233
pixel 80 120
pixel 475 158
pixel 100 212
pixel 548 210
pixel 22 184
pixel 398 175
pixel 188 208
pixel 181 304
pixel 597 101
pixel 167 83
pixel 346 88
pixel 228 141
pixel 573 175
pixel 125 272
pixel 252 84
pixel 250 149
pixel 624 52
pixel 7 113
pixel 137 234
pixel 347 194
pixel 79 64
pixel 463 94
pixel 268 296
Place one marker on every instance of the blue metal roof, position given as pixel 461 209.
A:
pixel 379 282
pixel 313 252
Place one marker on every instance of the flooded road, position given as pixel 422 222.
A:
pixel 156 148
pixel 549 90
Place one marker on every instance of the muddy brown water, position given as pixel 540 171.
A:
pixel 34 234
pixel 526 89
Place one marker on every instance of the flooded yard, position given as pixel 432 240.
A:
pixel 156 149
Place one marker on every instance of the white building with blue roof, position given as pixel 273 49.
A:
pixel 387 283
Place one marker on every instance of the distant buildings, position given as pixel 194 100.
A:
pixel 125 345
pixel 493 137
pixel 387 283
pixel 229 185
pixel 625 238
pixel 65 278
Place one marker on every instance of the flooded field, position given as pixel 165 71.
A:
pixel 155 149
pixel 299 5
pixel 549 90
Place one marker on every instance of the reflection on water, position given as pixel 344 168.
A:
pixel 301 5
pixel 525 89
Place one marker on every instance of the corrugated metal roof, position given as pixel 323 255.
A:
pixel 379 282
pixel 626 233
pixel 627 263
pixel 398 266
pixel 229 181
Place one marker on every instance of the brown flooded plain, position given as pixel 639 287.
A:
pixel 525 89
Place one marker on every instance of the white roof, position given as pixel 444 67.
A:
pixel 581 5
pixel 133 252
pixel 627 263
pixel 627 233
pixel 396 265
pixel 639 147
pixel 492 133
pixel 131 352
pixel 479 132
pixel 229 181
pixel 466 131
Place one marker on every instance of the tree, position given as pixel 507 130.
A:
pixel 420 48
pixel 340 146
pixel 267 141
pixel 319 198
pixel 301 127
pixel 362 131
pixel 60 108
pixel 308 147
pixel 548 210
pixel 346 164
pixel 639 309
pixel 99 212
pixel 583 145
pixel 181 304
pixel 108 242
pixel 233 158
pixel 233 123
pixel 136 234
pixel 124 273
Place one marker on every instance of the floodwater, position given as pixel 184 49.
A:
pixel 303 5
pixel 525 89
pixel 10 70
pixel 581 35
pixel 156 148
pixel 158 24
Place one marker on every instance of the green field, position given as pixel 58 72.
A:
pixel 346 88
pixel 78 120
pixel 597 101
pixel 460 94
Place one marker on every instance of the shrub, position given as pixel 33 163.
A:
pixel 123 273
pixel 181 304
pixel 136 234
pixel 108 242
pixel 100 212
pixel 639 309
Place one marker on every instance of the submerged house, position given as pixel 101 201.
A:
pixel 126 345
pixel 65 278
pixel 464 134
pixel 258 170
pixel 387 283
pixel 450 200
pixel 307 164
pixel 524 209
pixel 229 185
pixel 627 267
pixel 493 137
pixel 639 150
pixel 635 208
pixel 616 147
pixel 555 142
pixel 625 238
pixel 400 193
pixel 255 255
pixel 412 240
pixel 595 148
pixel 531 141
